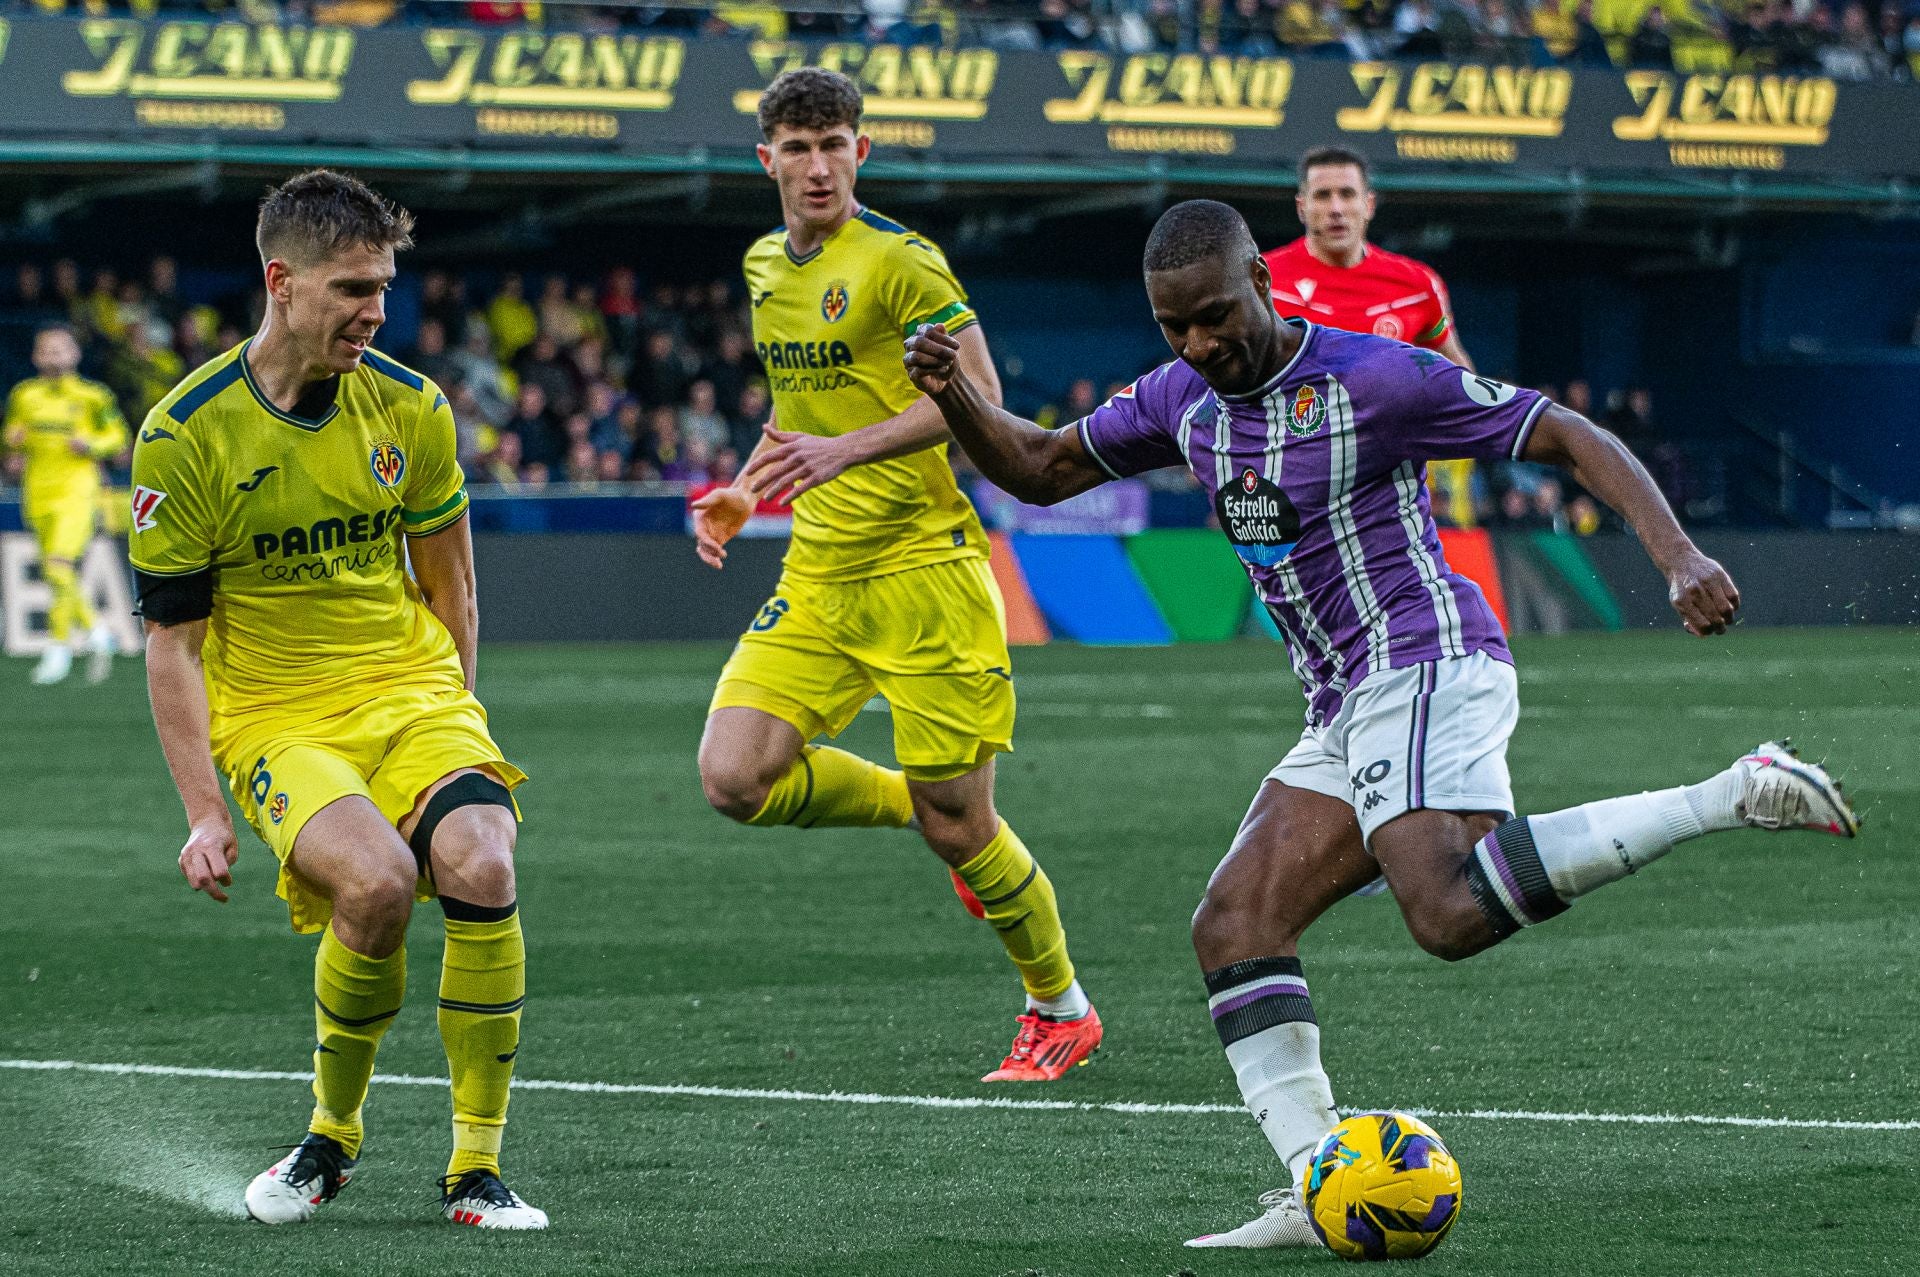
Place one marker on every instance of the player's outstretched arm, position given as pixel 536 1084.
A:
pixel 1699 589
pixel 796 463
pixel 1036 465
pixel 176 686
pixel 443 565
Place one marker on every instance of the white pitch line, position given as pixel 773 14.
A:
pixel 954 1102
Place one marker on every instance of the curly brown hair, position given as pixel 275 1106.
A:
pixel 314 215
pixel 809 98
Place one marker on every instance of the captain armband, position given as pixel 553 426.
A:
pixel 173 600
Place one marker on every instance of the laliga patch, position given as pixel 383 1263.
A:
pixel 1485 391
pixel 145 502
pixel 1258 519
pixel 834 302
pixel 389 464
pixel 1308 414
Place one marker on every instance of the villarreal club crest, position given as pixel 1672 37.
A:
pixel 833 302
pixel 389 463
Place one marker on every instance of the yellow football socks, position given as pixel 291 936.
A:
pixel 354 1000
pixel 829 787
pixel 483 985
pixel 69 613
pixel 1020 904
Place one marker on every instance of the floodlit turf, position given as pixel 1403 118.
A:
pixel 1747 975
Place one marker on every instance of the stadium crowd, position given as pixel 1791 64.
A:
pixel 1844 39
pixel 571 380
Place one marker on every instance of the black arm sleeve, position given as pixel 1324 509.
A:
pixel 173 600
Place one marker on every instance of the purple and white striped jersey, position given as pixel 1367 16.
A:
pixel 1319 481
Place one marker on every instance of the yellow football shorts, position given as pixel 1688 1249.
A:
pixel 932 640
pixel 388 749
pixel 63 526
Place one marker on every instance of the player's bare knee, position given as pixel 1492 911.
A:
pixel 379 898
pixel 737 793
pixel 1230 919
pixel 1446 930
pixel 955 827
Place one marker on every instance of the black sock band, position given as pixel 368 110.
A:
pixel 472 789
pixel 1255 994
pixel 1508 881
pixel 461 911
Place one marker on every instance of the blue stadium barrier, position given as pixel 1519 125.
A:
pixel 1088 591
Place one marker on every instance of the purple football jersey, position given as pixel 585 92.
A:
pixel 1319 481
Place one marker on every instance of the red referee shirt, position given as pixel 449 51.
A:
pixel 1386 294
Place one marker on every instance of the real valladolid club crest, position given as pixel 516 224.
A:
pixel 1309 412
pixel 389 464
pixel 833 303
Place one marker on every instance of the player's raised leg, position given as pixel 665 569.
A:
pixel 1466 882
pixel 348 854
pixel 1059 1028
pixel 1297 853
pixel 463 828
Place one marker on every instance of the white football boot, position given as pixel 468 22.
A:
pixel 1283 1224
pixel 100 647
pixel 1779 791
pixel 479 1198
pixel 56 662
pixel 290 1190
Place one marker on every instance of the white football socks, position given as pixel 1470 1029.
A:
pixel 1070 1005
pixel 1286 1090
pixel 1597 843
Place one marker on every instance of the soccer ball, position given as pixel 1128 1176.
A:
pixel 1382 1186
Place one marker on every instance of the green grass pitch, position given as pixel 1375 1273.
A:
pixel 1747 976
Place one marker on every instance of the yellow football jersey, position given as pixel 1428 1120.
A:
pixel 830 328
pixel 302 524
pixel 44 416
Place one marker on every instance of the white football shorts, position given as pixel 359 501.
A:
pixel 1430 735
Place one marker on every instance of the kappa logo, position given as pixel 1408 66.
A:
pixel 258 477
pixel 145 502
pixel 1309 412
pixel 1374 799
pixel 1485 391
pixel 834 302
pixel 389 464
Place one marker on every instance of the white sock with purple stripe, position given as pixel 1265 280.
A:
pixel 1528 869
pixel 1265 1019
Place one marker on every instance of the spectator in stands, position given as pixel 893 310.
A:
pixel 1068 24
pixel 665 449
pixel 473 434
pixel 1855 54
pixel 583 463
pixel 603 411
pixel 661 375
pixel 543 365
pixel 1589 46
pixel 141 372
pixel 1416 30
pixel 190 338
pixel 476 369
pixel 700 419
pixel 501 465
pixel 1579 397
pixel 68 298
pixel 620 311
pixel 429 355
pixel 1651 47
pixel 163 293
pixel 510 320
pixel 730 367
pixel 534 424
pixel 443 299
